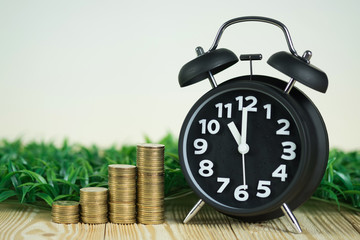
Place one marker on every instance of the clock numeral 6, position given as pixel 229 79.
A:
pixel 241 194
pixel 213 126
pixel 200 145
pixel 206 168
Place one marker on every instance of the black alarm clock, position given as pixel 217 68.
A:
pixel 254 147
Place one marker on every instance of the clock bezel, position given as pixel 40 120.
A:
pixel 294 110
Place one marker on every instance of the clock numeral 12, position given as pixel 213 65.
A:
pixel 251 107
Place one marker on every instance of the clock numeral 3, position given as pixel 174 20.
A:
pixel 289 152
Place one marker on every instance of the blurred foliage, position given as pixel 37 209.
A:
pixel 341 181
pixel 42 171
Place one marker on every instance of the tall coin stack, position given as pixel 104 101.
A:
pixel 65 212
pixel 122 193
pixel 150 183
pixel 93 203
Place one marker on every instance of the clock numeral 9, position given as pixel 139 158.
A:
pixel 206 168
pixel 251 107
pixel 200 145
pixel 213 126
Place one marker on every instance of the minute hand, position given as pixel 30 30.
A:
pixel 243 146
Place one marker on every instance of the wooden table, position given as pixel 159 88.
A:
pixel 318 221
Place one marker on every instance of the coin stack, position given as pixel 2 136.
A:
pixel 93 203
pixel 65 212
pixel 122 193
pixel 150 183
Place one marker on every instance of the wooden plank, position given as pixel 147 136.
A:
pixel 318 221
pixel 26 222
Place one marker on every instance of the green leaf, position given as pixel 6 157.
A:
pixel 25 190
pixel 33 175
pixel 66 196
pixel 45 197
pixel 5 195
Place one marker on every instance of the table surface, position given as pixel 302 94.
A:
pixel 318 221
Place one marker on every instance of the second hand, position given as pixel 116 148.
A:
pixel 243 168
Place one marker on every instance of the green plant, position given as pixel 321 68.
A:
pixel 35 171
pixel 42 171
pixel 341 181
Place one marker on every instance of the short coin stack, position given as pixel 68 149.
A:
pixel 65 212
pixel 93 202
pixel 122 193
pixel 150 184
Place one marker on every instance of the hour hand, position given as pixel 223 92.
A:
pixel 235 132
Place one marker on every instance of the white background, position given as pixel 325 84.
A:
pixel 105 72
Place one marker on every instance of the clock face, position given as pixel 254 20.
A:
pixel 241 149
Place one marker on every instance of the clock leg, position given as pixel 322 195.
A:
pixel 291 217
pixel 194 211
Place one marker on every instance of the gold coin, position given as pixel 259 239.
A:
pixel 122 166
pixel 94 190
pixel 122 220
pixel 151 145
pixel 65 203
pixel 94 220
pixel 63 219
pixel 150 221
pixel 64 213
pixel 116 198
